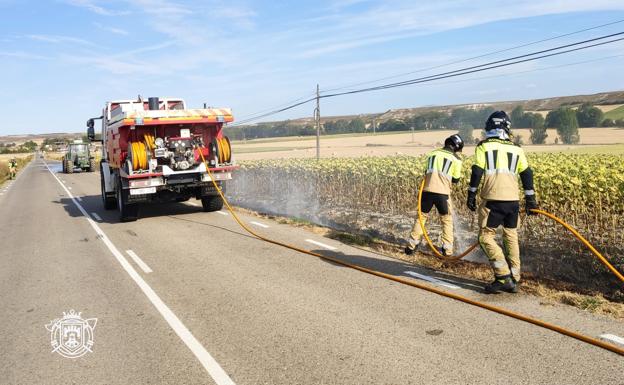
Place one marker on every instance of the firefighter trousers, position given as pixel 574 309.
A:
pixel 505 261
pixel 443 204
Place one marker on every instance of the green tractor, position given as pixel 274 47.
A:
pixel 78 155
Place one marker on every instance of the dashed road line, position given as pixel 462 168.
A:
pixel 431 279
pixel 321 244
pixel 139 261
pixel 222 213
pixel 79 199
pixel 96 217
pixel 259 224
pixel 613 338
pixel 208 362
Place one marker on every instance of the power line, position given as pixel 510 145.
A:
pixel 486 66
pixel 531 70
pixel 248 116
pixel 476 57
pixel 273 112
pixel 460 72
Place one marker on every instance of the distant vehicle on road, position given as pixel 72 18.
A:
pixel 79 156
pixel 154 150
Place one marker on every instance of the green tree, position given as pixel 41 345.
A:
pixel 465 131
pixel 30 145
pixel 553 119
pixel 518 117
pixel 568 126
pixel 357 125
pixel 538 129
pixel 589 116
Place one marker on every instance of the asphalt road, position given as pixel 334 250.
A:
pixel 197 301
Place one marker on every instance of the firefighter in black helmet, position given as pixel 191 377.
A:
pixel 443 168
pixel 499 162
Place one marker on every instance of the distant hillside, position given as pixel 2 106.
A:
pixel 613 99
pixel 546 104
pixel 39 138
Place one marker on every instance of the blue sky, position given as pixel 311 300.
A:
pixel 60 60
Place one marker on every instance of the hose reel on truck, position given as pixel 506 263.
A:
pixel 150 153
pixel 222 149
pixel 181 157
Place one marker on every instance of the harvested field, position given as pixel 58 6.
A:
pixel 401 144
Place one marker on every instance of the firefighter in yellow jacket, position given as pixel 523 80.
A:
pixel 12 168
pixel 499 162
pixel 443 169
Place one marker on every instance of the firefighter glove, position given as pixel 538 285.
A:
pixel 472 200
pixel 530 204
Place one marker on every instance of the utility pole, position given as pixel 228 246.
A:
pixel 317 118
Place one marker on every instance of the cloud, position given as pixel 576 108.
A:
pixel 117 31
pixel 241 16
pixel 59 39
pixel 379 22
pixel 162 8
pixel 111 64
pixel 93 6
pixel 22 55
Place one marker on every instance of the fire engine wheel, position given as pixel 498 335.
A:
pixel 127 212
pixel 109 202
pixel 212 203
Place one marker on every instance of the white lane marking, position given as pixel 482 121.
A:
pixel 222 213
pixel 613 338
pixel 139 261
pixel 69 187
pixel 259 224
pixel 321 244
pixel 79 199
pixel 96 217
pixel 208 362
pixel 431 279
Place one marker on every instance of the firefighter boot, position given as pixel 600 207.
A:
pixel 504 283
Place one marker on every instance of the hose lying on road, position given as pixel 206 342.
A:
pixel 405 281
pixel 541 212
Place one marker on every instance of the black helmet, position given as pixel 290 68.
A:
pixel 498 120
pixel 455 142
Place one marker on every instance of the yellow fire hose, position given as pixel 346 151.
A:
pixel 139 156
pixel 541 212
pixel 224 150
pixel 139 152
pixel 404 281
pixel 436 253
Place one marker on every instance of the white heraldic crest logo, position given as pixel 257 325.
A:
pixel 71 336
